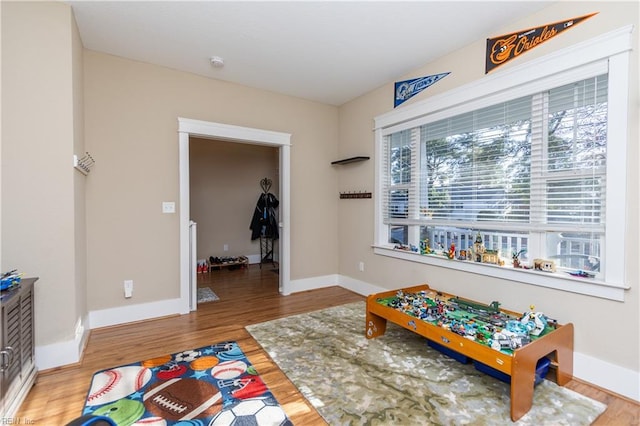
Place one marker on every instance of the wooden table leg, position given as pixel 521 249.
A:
pixel 523 378
pixel 564 354
pixel 376 325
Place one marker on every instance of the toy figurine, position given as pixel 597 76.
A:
pixel 462 255
pixel 544 265
pixel 478 248
pixel 424 247
pixel 516 258
pixel 451 254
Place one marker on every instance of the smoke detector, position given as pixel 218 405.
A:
pixel 217 62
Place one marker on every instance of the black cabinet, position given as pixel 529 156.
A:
pixel 17 346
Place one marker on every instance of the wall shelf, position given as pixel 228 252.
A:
pixel 352 195
pixel 350 160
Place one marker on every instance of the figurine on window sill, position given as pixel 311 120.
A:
pixel 516 258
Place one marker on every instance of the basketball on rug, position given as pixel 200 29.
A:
pixel 213 385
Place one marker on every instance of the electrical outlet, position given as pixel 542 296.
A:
pixel 128 288
pixel 225 247
pixel 361 266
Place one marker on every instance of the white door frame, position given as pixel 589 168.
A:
pixel 188 127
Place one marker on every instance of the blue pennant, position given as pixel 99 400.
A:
pixel 406 89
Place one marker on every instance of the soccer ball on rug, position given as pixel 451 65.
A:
pixel 252 412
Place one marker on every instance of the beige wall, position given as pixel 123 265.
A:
pixel 41 99
pixel 1 264
pixel 131 113
pixel 224 189
pixel 80 221
pixel 604 329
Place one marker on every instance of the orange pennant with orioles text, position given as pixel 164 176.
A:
pixel 504 48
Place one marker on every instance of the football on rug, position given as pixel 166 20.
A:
pixel 213 385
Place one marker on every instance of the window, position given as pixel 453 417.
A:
pixel 524 166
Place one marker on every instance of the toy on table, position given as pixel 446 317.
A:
pixel 485 323
pixel 9 279
pixel 534 321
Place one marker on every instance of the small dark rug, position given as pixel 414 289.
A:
pixel 213 385
pixel 398 379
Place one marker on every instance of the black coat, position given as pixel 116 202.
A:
pixel 264 222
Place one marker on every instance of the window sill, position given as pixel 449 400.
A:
pixel 556 281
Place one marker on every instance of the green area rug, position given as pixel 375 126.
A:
pixel 397 378
pixel 205 294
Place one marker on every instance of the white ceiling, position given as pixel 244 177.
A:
pixel 325 51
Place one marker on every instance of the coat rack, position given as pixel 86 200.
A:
pixel 84 163
pixel 264 222
pixel 352 195
pixel 266 183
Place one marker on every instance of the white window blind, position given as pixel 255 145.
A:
pixel 528 173
pixel 399 191
pixel 475 166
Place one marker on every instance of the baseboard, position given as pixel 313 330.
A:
pixel 255 259
pixel 620 380
pixel 312 283
pixel 132 313
pixel 359 287
pixel 58 354
pixel 63 353
pixel 349 283
pixel 71 351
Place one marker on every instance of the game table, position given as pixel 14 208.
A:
pixel 519 364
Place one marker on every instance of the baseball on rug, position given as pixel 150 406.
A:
pixel 212 385
pixel 397 378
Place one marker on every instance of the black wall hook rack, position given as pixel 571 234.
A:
pixel 351 195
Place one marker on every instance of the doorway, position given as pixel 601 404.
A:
pixel 237 134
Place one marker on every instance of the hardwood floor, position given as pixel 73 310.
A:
pixel 247 296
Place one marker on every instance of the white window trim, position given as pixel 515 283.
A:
pixel 609 52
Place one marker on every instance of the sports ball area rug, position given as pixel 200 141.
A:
pixel 397 379
pixel 213 385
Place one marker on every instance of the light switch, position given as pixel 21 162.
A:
pixel 168 207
